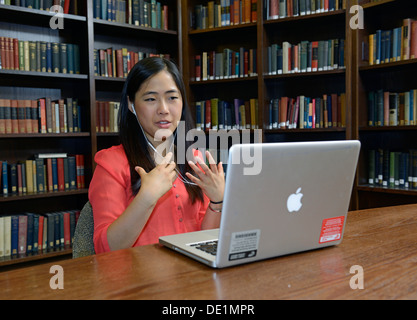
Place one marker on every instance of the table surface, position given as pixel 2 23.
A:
pixel 382 241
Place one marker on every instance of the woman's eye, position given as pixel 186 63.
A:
pixel 149 99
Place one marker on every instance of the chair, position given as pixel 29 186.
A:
pixel 83 236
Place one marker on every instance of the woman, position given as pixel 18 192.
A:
pixel 139 193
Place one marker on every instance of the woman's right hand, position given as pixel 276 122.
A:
pixel 159 180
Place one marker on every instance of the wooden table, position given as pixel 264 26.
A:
pixel 382 241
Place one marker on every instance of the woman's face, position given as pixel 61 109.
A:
pixel 158 105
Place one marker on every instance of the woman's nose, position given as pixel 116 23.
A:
pixel 162 107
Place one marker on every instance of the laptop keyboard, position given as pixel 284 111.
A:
pixel 206 246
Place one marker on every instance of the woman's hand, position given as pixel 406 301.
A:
pixel 159 180
pixel 209 179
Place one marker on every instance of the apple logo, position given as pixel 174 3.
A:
pixel 294 201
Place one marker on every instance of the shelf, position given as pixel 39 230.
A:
pixel 390 65
pixel 114 28
pixel 44 135
pixel 341 71
pixel 388 128
pixel 40 195
pixel 305 17
pixel 403 191
pixel 35 74
pixel 236 27
pixel 229 80
pixel 16 259
pixel 11 13
pixel 306 130
pixel 376 4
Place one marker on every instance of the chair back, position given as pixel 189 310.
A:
pixel 83 236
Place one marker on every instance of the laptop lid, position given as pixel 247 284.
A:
pixel 282 198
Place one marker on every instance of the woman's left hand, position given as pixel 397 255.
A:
pixel 209 179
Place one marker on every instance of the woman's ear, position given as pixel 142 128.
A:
pixel 130 106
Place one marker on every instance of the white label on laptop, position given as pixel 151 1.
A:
pixel 244 244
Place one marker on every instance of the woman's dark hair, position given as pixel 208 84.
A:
pixel 131 135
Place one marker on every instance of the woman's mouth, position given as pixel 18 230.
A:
pixel 163 124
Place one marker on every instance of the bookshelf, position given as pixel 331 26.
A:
pixel 90 33
pixel 184 39
pixel 261 32
pixel 395 78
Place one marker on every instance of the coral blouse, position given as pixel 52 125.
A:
pixel 110 194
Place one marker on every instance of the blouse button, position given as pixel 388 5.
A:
pixel 179 207
pixel 174 185
pixel 177 196
pixel 180 219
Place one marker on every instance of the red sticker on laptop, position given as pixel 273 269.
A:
pixel 331 229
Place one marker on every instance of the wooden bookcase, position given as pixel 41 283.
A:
pixel 264 86
pixel 183 42
pixel 89 33
pixel 394 77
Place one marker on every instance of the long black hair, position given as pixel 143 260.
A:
pixel 130 134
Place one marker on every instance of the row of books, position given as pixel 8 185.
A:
pixel 224 13
pixel 391 45
pixel 306 56
pixel 68 6
pixel 217 114
pixel 303 112
pixel 42 115
pixel 392 169
pixel 118 62
pixel 30 233
pixel 46 173
pixel 226 64
pixel 106 116
pixel 275 9
pixel 39 56
pixel 392 108
pixel 144 13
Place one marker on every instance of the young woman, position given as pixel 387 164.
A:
pixel 139 193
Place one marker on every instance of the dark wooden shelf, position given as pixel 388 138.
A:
pixel 340 71
pixel 35 74
pixel 297 19
pixel 305 130
pixel 229 80
pixel 376 4
pixel 33 16
pixel 44 135
pixel 403 191
pixel 21 259
pixel 390 65
pixel 236 27
pixel 40 195
pixel 388 128
pixel 100 22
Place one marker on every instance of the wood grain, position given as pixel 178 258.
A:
pixel 383 241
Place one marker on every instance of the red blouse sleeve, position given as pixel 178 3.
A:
pixel 109 192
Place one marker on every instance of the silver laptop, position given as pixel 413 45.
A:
pixel 280 198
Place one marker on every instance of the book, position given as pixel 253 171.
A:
pixel 392 169
pixel 228 64
pixel 39 56
pixel 217 114
pixel 304 112
pixel 392 108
